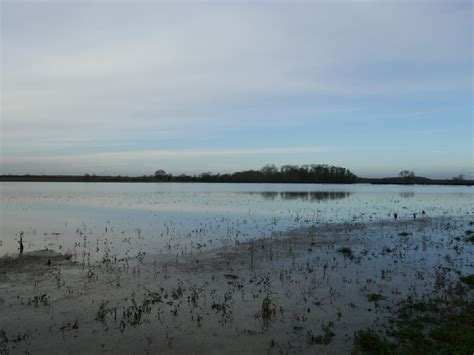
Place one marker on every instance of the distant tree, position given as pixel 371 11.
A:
pixel 406 174
pixel 159 174
pixel 271 174
pixel 459 177
pixel 288 169
pixel 269 169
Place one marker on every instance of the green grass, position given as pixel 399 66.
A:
pixel 370 343
pixel 437 326
pixel 268 308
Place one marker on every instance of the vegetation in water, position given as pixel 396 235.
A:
pixel 469 280
pixel 347 252
pixel 436 326
pixel 324 338
pixel 268 308
pixel 374 297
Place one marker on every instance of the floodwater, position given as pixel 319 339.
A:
pixel 222 268
pixel 96 220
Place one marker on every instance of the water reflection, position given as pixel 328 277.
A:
pixel 304 196
pixel 133 217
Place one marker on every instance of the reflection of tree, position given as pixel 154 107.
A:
pixel 269 195
pixel 407 194
pixel 323 196
pixel 305 195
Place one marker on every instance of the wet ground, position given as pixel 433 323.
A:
pixel 308 290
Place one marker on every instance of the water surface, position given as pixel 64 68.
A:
pixel 97 220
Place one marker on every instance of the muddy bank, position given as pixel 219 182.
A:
pixel 34 261
pixel 309 290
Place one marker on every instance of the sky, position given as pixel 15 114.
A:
pixel 127 88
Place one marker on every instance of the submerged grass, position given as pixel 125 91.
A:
pixel 374 297
pixel 268 308
pixel 346 251
pixel 404 234
pixel 371 343
pixel 324 338
pixel 438 326
pixel 468 280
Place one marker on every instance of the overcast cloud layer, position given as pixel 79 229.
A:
pixel 129 87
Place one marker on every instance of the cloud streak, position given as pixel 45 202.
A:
pixel 171 153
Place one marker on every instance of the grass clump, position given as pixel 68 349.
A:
pixel 468 280
pixel 436 326
pixel 470 235
pixel 374 297
pixel 268 308
pixel 346 252
pixel 324 338
pixel 404 234
pixel 370 343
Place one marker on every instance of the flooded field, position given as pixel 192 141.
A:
pixel 117 220
pixel 227 268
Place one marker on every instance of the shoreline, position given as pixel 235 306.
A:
pixel 140 180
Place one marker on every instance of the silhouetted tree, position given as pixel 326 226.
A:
pixel 269 170
pixel 406 174
pixel 160 174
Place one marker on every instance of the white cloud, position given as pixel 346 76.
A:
pixel 169 153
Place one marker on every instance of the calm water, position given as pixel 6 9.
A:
pixel 96 220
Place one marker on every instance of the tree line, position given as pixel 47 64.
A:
pixel 309 174
pixel 271 174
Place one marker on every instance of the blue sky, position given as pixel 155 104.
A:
pixel 111 87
